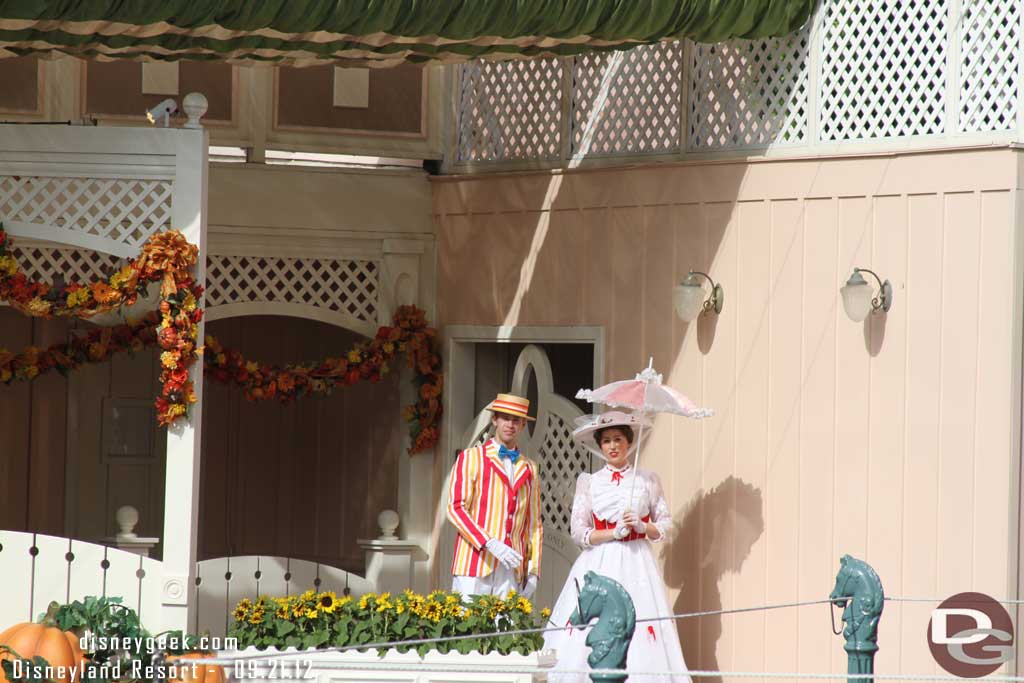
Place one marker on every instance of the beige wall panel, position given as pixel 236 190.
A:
pixel 655 278
pixel 924 304
pixel 782 506
pixel 887 423
pixel 853 385
pixel 890 440
pixel 958 372
pixel 717 338
pixel 993 411
pixel 545 237
pixel 817 423
pixel 681 466
pixel 746 486
pixel 620 255
pixel 721 181
pixel 314 198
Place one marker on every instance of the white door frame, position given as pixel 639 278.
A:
pixel 459 357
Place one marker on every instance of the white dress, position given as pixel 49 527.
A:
pixel 600 498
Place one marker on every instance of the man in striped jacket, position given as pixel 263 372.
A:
pixel 494 503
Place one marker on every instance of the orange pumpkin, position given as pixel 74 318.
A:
pixel 58 648
pixel 199 673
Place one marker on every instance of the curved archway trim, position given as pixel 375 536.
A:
pixel 337 318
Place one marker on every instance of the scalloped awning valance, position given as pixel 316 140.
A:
pixel 375 32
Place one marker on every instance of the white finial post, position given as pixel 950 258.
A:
pixel 194 105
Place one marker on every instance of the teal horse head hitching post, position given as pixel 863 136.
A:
pixel 858 591
pixel 609 638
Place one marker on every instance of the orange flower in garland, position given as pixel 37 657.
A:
pixel 365 361
pixel 167 257
pixel 97 345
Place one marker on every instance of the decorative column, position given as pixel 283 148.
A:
pixel 400 285
pixel 389 559
pixel 184 440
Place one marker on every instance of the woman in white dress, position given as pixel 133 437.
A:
pixel 616 537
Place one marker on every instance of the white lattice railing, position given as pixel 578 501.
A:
pixel 349 288
pixel 50 568
pixel 859 76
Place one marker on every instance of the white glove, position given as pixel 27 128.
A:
pixel 508 557
pixel 630 519
pixel 530 587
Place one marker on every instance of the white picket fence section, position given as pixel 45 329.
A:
pixel 222 582
pixel 40 569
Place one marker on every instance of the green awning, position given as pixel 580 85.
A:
pixel 375 32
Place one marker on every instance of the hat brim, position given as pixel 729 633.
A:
pixel 585 432
pixel 491 408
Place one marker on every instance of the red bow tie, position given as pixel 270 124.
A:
pixel 617 477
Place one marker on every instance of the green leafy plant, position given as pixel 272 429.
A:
pixel 319 620
pixel 105 620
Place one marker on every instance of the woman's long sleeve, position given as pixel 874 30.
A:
pixel 661 516
pixel 582 522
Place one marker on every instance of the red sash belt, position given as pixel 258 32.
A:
pixel 634 535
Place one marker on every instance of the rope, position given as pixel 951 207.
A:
pixel 525 631
pixel 513 669
pixel 957 602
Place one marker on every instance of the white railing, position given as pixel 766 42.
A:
pixel 38 569
pixel 861 76
pixel 222 582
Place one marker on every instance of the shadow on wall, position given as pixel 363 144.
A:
pixel 713 537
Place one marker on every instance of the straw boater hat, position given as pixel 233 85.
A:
pixel 588 425
pixel 511 404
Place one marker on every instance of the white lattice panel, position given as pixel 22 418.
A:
pixel 749 93
pixel 510 110
pixel 989 35
pixel 124 210
pixel 47 264
pixel 883 70
pixel 562 460
pixel 627 102
pixel 346 286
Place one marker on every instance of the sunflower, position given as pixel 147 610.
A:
pixel 327 602
pixel 545 613
pixel 242 610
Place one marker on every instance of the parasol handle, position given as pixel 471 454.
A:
pixel 636 463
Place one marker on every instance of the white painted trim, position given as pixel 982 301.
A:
pixel 184 441
pixel 459 359
pixel 337 318
pixel 64 237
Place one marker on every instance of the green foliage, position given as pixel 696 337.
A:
pixel 313 620
pixel 105 622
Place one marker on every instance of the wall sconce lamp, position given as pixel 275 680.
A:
pixel 688 297
pixel 858 299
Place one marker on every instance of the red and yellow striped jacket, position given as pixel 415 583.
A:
pixel 484 504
